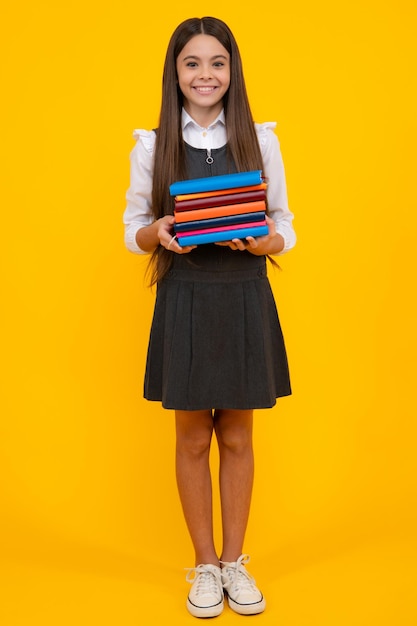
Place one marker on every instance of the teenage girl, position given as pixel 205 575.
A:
pixel 216 350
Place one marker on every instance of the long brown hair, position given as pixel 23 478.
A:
pixel 169 156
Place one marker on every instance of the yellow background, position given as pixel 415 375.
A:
pixel 91 530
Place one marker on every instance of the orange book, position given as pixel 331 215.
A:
pixel 220 211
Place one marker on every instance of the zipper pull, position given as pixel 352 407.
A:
pixel 209 159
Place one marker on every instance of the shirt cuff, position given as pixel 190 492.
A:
pixel 289 241
pixel 130 241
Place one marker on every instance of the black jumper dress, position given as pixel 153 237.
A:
pixel 216 340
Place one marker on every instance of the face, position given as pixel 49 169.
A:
pixel 203 70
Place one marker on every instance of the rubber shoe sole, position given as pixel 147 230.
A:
pixel 205 611
pixel 246 609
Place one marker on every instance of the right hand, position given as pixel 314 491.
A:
pixel 166 236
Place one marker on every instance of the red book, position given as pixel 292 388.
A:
pixel 211 201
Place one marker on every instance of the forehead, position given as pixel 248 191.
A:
pixel 203 46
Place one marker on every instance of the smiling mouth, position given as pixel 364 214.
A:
pixel 204 90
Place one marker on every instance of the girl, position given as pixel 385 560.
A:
pixel 216 350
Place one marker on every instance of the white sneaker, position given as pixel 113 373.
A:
pixel 206 594
pixel 243 595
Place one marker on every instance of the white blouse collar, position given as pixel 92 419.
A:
pixel 187 120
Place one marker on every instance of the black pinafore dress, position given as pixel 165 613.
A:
pixel 216 340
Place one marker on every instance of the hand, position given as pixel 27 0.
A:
pixel 260 244
pixel 167 238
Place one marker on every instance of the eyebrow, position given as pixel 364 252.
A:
pixel 193 56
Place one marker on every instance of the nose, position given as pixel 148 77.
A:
pixel 205 73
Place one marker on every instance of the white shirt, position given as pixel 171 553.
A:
pixel 138 212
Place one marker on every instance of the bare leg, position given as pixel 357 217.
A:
pixel 194 433
pixel 234 435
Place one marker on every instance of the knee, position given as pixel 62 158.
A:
pixel 193 433
pixel 194 444
pixel 234 440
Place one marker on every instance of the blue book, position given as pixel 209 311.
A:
pixel 226 235
pixel 216 183
pixel 213 222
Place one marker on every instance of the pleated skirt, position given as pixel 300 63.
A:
pixel 216 340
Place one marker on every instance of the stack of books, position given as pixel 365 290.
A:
pixel 219 208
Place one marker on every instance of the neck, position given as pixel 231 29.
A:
pixel 206 117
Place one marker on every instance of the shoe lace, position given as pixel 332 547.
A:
pixel 207 580
pixel 238 576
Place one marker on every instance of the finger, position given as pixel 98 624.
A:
pixel 240 244
pixel 271 225
pixel 252 243
pixel 175 247
pixel 170 242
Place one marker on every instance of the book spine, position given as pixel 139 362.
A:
pixel 212 201
pixel 231 209
pixel 215 222
pixel 223 236
pixel 221 229
pixel 220 192
pixel 214 183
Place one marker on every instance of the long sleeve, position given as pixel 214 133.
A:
pixel 138 212
pixel 277 187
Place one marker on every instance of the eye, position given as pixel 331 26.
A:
pixel 218 64
pixel 191 64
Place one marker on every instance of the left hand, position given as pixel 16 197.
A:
pixel 260 244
